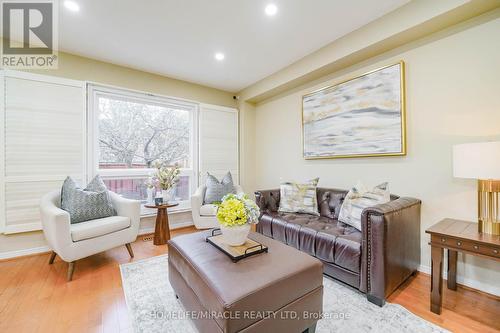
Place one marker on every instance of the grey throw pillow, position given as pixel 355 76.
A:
pixel 90 203
pixel 216 190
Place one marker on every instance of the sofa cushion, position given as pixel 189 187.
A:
pixel 98 227
pixel 348 251
pixel 327 239
pixel 208 210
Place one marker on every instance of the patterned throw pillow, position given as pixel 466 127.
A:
pixel 216 190
pixel 360 198
pixel 299 198
pixel 91 203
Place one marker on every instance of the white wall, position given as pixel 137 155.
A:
pixel 247 147
pixel 453 96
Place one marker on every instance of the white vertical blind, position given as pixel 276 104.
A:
pixel 218 142
pixel 43 127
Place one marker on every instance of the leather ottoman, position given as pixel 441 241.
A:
pixel 278 291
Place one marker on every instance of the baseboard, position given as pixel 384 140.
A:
pixel 24 252
pixel 474 284
pixel 15 229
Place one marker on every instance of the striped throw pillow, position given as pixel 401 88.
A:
pixel 299 198
pixel 360 198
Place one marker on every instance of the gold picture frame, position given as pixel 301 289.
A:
pixel 320 136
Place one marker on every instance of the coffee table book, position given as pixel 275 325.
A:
pixel 235 253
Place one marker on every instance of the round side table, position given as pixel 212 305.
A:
pixel 162 229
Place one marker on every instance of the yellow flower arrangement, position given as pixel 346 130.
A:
pixel 236 210
pixel 232 212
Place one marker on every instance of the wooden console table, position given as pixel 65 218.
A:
pixel 456 236
pixel 162 229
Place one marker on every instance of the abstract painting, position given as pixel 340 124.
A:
pixel 364 116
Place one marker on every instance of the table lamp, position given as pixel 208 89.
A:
pixel 481 161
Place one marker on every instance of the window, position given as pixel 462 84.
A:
pixel 132 130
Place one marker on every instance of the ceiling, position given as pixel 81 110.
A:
pixel 178 38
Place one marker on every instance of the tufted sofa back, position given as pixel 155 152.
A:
pixel 329 200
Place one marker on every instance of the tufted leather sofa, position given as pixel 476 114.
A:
pixel 375 260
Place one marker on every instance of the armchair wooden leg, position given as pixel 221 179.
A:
pixel 71 269
pixel 129 249
pixel 52 258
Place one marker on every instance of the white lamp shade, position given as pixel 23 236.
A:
pixel 477 160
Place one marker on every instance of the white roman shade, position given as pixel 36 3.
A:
pixel 42 123
pixel 218 142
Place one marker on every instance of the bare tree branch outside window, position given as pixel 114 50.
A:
pixel 134 135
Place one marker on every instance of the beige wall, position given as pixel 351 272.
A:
pixel 79 68
pixel 453 96
pixel 247 147
pixel 85 69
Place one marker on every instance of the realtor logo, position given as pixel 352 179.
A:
pixel 29 31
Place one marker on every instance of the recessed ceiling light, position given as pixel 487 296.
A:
pixel 271 9
pixel 71 5
pixel 219 56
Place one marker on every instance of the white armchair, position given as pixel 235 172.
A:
pixel 204 215
pixel 76 241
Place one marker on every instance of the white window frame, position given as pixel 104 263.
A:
pixel 93 91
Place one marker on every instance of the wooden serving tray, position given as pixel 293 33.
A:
pixel 235 253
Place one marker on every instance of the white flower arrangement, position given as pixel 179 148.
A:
pixel 166 176
pixel 150 182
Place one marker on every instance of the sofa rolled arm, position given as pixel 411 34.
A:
pixel 268 200
pixel 390 246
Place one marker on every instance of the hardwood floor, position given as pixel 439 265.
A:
pixel 35 297
pixel 465 310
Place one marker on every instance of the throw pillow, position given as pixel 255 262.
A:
pixel 96 185
pixel 90 203
pixel 216 190
pixel 359 198
pixel 299 198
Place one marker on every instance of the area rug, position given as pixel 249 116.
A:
pixel 153 307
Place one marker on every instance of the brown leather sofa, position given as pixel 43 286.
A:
pixel 375 260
